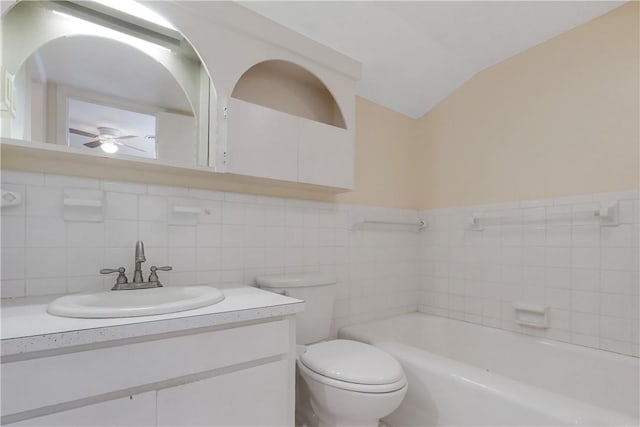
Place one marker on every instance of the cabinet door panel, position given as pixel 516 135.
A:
pixel 261 142
pixel 135 411
pixel 256 396
pixel 325 155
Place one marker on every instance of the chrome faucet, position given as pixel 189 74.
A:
pixel 139 259
pixel 138 282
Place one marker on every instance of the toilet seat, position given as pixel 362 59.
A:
pixel 360 388
pixel 352 365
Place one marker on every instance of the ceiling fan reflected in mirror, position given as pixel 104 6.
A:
pixel 108 139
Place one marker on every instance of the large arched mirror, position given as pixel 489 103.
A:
pixel 103 80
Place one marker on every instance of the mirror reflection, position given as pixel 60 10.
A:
pixel 99 80
pixel 138 139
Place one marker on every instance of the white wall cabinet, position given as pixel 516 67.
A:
pixel 276 127
pixel 239 375
pixel 267 143
pixel 325 155
pixel 261 142
pixel 293 86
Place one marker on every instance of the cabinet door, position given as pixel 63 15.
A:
pixel 261 142
pixel 257 396
pixel 136 411
pixel 325 155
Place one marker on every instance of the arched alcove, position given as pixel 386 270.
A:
pixel 289 88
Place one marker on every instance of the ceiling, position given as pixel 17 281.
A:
pixel 415 53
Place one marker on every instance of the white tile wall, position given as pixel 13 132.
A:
pixel 233 239
pixel 543 252
pixel 585 273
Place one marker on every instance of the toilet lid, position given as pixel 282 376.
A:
pixel 353 362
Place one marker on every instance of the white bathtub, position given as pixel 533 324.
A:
pixel 462 374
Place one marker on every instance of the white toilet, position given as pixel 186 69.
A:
pixel 350 383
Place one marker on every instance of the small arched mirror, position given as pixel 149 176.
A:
pixel 103 80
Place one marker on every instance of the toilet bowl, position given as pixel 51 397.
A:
pixel 349 383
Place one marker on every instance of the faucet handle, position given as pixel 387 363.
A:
pixel 122 278
pixel 153 277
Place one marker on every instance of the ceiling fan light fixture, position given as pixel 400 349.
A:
pixel 109 147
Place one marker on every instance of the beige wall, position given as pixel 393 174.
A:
pixel 385 149
pixel 558 119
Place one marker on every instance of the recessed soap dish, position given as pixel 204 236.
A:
pixel 532 315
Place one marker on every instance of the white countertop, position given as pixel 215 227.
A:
pixel 27 327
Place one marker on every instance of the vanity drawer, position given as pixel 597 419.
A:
pixel 138 411
pixel 40 382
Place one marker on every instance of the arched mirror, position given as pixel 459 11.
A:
pixel 100 80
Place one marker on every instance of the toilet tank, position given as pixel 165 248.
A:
pixel 317 292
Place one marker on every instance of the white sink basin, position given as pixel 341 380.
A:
pixel 138 302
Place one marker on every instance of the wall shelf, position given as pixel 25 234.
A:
pixel 55 159
pixel 83 205
pixel 86 203
pixel 193 210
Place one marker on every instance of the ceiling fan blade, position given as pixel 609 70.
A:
pixel 129 146
pixel 135 148
pixel 93 144
pixel 126 137
pixel 82 133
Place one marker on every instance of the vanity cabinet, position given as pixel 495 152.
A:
pixel 239 374
pixel 246 397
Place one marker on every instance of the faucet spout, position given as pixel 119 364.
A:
pixel 140 251
pixel 139 259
